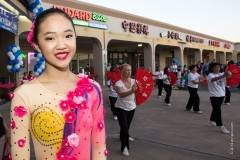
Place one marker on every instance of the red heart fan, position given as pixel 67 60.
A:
pixel 205 82
pixel 173 78
pixel 144 83
pixel 113 76
pixel 235 78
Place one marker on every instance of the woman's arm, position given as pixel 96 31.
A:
pixel 99 151
pixel 226 74
pixel 124 94
pixel 20 123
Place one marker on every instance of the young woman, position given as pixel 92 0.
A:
pixel 63 112
pixel 216 89
pixel 193 81
pixel 167 86
pixel 125 105
pixel 227 91
pixel 159 75
pixel 30 75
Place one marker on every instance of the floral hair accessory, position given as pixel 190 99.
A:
pixel 106 152
pixel 31 34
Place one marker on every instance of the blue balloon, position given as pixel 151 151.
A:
pixel 42 59
pixel 18 70
pixel 35 54
pixel 13 69
pixel 16 61
pixel 10 62
pixel 9 48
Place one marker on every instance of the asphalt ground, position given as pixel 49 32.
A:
pixel 169 133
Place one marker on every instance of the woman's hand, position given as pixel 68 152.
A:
pixel 134 88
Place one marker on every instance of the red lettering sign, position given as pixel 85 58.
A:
pixel 214 43
pixel 132 27
pixel 135 28
pixel 228 46
pixel 194 39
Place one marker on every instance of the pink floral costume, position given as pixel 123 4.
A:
pixel 63 127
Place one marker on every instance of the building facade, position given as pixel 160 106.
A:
pixel 105 35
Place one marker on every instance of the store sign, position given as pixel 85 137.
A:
pixel 89 24
pixel 191 39
pixel 82 15
pixel 135 27
pixel 8 20
pixel 171 34
pixel 228 46
pixel 214 43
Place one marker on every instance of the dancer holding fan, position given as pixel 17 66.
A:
pixel 125 105
pixel 193 81
pixel 216 89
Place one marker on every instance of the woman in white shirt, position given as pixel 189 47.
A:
pixel 112 98
pixel 216 89
pixel 159 75
pixel 193 81
pixel 125 105
pixel 166 85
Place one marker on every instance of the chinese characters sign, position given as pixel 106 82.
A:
pixel 214 43
pixel 191 39
pixel 228 46
pixel 135 27
pixel 171 34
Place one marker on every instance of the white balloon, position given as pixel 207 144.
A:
pixel 21 62
pixel 39 55
pixel 31 1
pixel 9 67
pixel 9 53
pixel 39 70
pixel 14 49
pixel 42 66
pixel 18 47
pixel 12 57
pixel 37 59
pixel 38 6
pixel 35 11
pixel 17 66
pixel 36 73
pixel 19 58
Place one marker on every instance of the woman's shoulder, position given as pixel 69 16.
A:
pixel 26 87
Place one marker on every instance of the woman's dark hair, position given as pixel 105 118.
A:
pixel 29 72
pixel 165 71
pixel 184 66
pixel 192 67
pixel 24 73
pixel 42 17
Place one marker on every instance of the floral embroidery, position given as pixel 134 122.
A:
pixel 73 140
pixel 11 94
pixel 106 152
pixel 70 117
pixel 71 104
pixel 100 125
pixel 78 99
pixel 20 111
pixel 21 143
pixel 65 144
pixel 79 92
pixel 83 105
pixel 62 155
pixel 64 105
pixel 13 124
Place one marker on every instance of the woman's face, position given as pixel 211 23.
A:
pixel 216 69
pixel 159 68
pixel 25 74
pixel 127 72
pixel 57 41
pixel 195 69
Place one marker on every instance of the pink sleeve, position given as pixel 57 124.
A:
pixel 20 128
pixel 99 151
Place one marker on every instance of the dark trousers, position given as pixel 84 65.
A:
pixel 113 100
pixel 216 115
pixel 193 100
pixel 160 86
pixel 227 95
pixel 168 90
pixel 124 119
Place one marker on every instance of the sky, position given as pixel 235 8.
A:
pixel 218 18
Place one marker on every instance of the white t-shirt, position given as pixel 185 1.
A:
pixel 160 74
pixel 216 88
pixel 192 77
pixel 112 92
pixel 175 68
pixel 126 103
pixel 166 81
